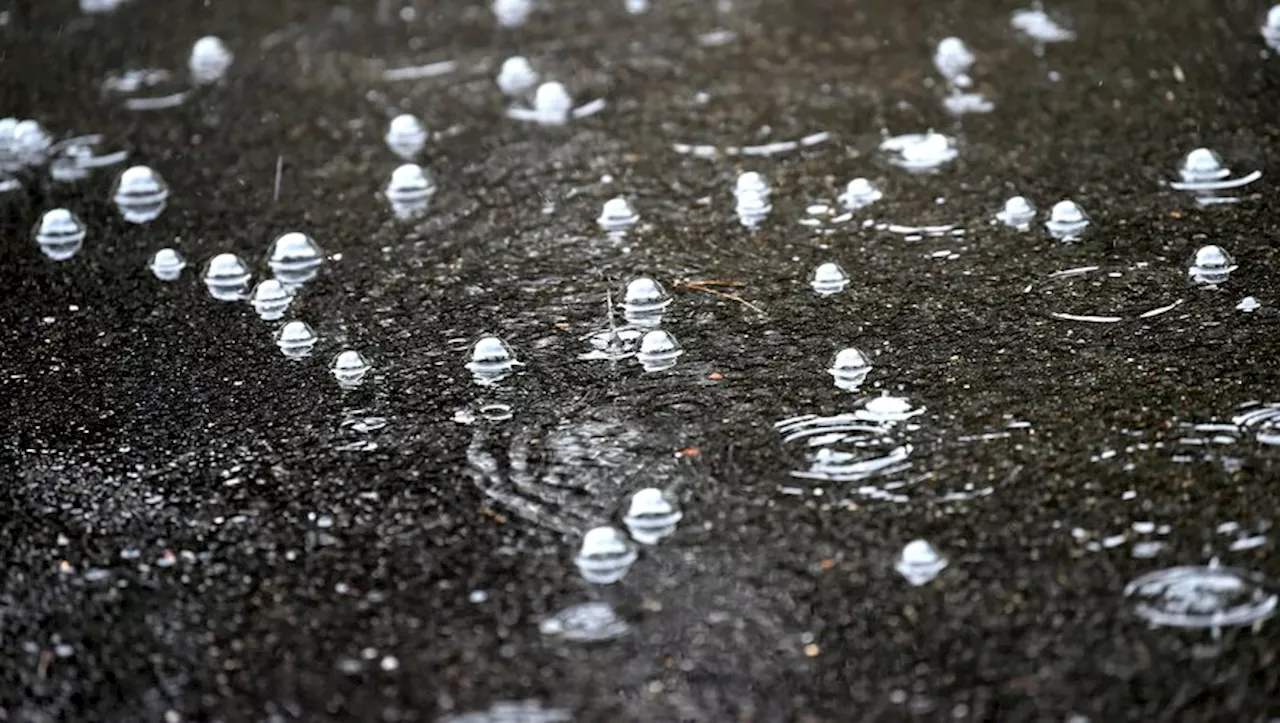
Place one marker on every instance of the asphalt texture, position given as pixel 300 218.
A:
pixel 190 532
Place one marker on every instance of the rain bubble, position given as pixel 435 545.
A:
pixel 226 277
pixel 850 369
pixel 591 622
pixel 210 58
pixel 1211 266
pixel 296 339
pixel 753 183
pixel 294 258
pixel 860 193
pixel 1204 173
pixel 829 279
pixel 406 136
pixel 349 368
pixel 919 563
pixel 552 104
pixel 512 13
pixel 140 194
pixel 167 264
pixel 1067 221
pixel 888 410
pixel 60 234
pixel 410 190
pixel 752 193
pixel 617 216
pixel 659 351
pixel 651 516
pixel 953 59
pixel 517 76
pixel 491 360
pixel 1203 164
pixel 1201 597
pixel 1271 28
pixel 1248 304
pixel 270 299
pixel 919 152
pixel 1017 213
pixel 644 302
pixel 605 556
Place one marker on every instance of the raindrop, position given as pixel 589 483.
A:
pixel 296 339
pixel 517 76
pixel 210 58
pixel 860 193
pixel 349 368
pixel 659 351
pixel 651 516
pixel 60 234
pixel 406 136
pixel 140 194
pixel 294 258
pixel 226 277
pixel 491 360
pixel 167 264
pixel 1271 28
pixel 1017 213
pixel 512 13
pixel 605 556
pixel 919 563
pixel 645 302
pixel 1211 266
pixel 829 279
pixel 919 152
pixel 591 622
pixel 1067 221
pixel 617 217
pixel 953 59
pixel 1201 597
pixel 270 299
pixel 849 369
pixel 410 190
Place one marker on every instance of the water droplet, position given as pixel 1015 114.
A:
pixel 209 61
pixel 860 193
pixel 919 152
pixel 410 190
pixel 644 303
pixel 1271 28
pixel 953 59
pixel 829 279
pixel 1211 266
pixel 60 234
pixel 850 369
pixel 512 13
pixel 1248 304
pixel 1201 597
pixel 1067 221
pixel 296 339
pixel 617 216
pixel 270 299
pixel 1017 213
pixel 659 351
pixel 226 277
pixel 140 194
pixel 651 516
pixel 406 136
pixel 294 258
pixel 919 563
pixel 349 368
pixel 517 76
pixel 752 193
pixel 491 360
pixel 167 264
pixel 591 622
pixel 605 556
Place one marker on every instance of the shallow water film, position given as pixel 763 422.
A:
pixel 711 361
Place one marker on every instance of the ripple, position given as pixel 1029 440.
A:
pixel 1208 596
pixel 591 622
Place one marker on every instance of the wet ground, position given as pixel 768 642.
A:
pixel 193 527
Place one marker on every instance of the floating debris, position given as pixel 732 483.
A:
pixel 349 368
pixel 528 711
pixel 592 622
pixel 294 258
pixel 227 277
pixel 1017 213
pixel 409 191
pixel 512 13
pixel 752 193
pixel 167 264
pixel 296 339
pixel 491 361
pixel 1067 221
pixel 553 106
pixel 140 194
pixel 849 369
pixel 617 217
pixel 953 59
pixel 829 279
pixel 406 136
pixel 1248 304
pixel 1036 24
pixel 209 61
pixel 645 302
pixel 919 152
pixel 605 556
pixel 860 193
pixel 1205 597
pixel 919 563
pixel 659 351
pixel 1211 266
pixel 517 78
pixel 1271 28
pixel 1204 173
pixel 652 515
pixel 270 299
pixel 60 234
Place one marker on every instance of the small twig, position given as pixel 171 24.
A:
pixel 706 286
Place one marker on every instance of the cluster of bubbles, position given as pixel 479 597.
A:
pixel 644 303
pixel 606 553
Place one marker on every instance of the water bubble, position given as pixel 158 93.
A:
pixel 209 61
pixel 636 7
pixel 512 13
pixel 753 183
pixel 491 360
pixel 850 369
pixel 60 234
pixel 349 368
pixel 860 193
pixel 406 136
pixel 659 351
pixel 919 152
pixel 167 264
pixel 919 563
pixel 752 193
pixel 953 59
pixel 1204 173
pixel 410 190
pixel 23 144
pixel 1211 266
pixel 605 556
pixel 517 76
pixel 1248 304
pixel 1208 596
pixel 645 302
pixel 591 622
pixel 651 516
pixel 294 258
pixel 296 339
pixel 1271 28
pixel 140 194
pixel 227 277
pixel 887 409
pixel 617 216
pixel 1203 164
pixel 1017 213
pixel 552 103
pixel 271 299
pixel 1067 221
pixel 829 279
